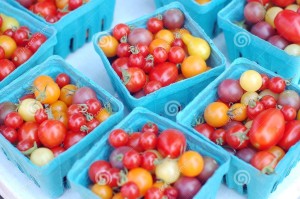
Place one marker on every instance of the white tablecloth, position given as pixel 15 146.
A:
pixel 15 185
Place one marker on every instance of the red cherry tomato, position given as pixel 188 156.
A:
pixel 118 137
pixel 44 9
pixel 52 133
pixel 219 137
pixel 74 4
pixel 237 137
pixel 72 138
pixel 265 82
pixel 57 150
pixel 205 130
pixel 96 168
pixel 268 101
pixel 29 131
pixel 150 127
pixel 134 141
pixel 291 135
pixel 176 55
pixel 166 73
pixel 148 140
pixel 123 50
pixel 132 159
pixel 9 133
pixel 289 112
pixel 13 120
pixel 20 56
pixel 277 84
pixel 76 122
pixel 134 79
pixel 155 25
pixel 36 40
pixel 130 190
pixel 254 110
pixel 148 158
pixel 121 30
pixel 152 86
pixel 137 60
pixel 94 106
pixel 6 67
pixel 62 80
pixel 264 161
pixel 120 64
pixel 160 55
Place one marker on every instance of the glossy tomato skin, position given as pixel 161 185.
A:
pixel 267 129
pixel 166 73
pixel 121 30
pixel 132 159
pixel 119 64
pixel 289 112
pixel 282 3
pixel 291 135
pixel 123 50
pixel 118 138
pixel 148 158
pixel 264 161
pixel 9 133
pixel 219 137
pixel 205 129
pixel 288 18
pixel 36 40
pixel 137 60
pixel 72 138
pixel 62 80
pixel 150 127
pixel 155 25
pixel 152 86
pixel 253 111
pixel 171 143
pixel 148 141
pixel 21 55
pixel 52 133
pixel 57 150
pixel 134 141
pixel 6 67
pixel 237 137
pixel 29 131
pixel 13 120
pixel 96 167
pixel 264 2
pixel 134 79
pixel 45 9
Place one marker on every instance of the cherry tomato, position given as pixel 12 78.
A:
pixel 47 92
pixel 74 4
pixel 171 143
pixel 166 35
pixel 74 109
pixel 6 67
pixel 58 106
pixel 102 191
pixel 108 45
pixel 216 114
pixel 103 115
pixel 192 66
pixel 219 137
pixel 289 112
pixel 134 141
pixel 9 133
pixel 150 127
pixel 61 4
pixel 130 190
pixel 291 135
pixel 265 82
pixel 143 49
pixel 13 120
pixel 118 137
pixel 154 193
pixel 66 93
pixel 132 159
pixel 254 110
pixel 76 122
pixel 171 192
pixel 94 106
pixel 2 53
pixel 149 65
pixel 277 151
pixel 264 161
pixel 20 56
pixel 57 150
pixel 36 40
pixel 8 44
pixel 92 124
pixel 123 50
pixel 191 163
pixel 277 84
pixel 142 178
pixel 160 55
pixel 152 86
pixel 121 30
pixel 166 73
pixel 237 137
pixel 136 60
pixel 155 25
pixel 268 101
pixel 238 112
pixel 159 43
pixel 96 167
pixel 72 138
pixel 62 80
pixel 205 129
pixel 148 158
pixel 267 129
pixel 21 36
pixel 24 145
pixel 288 18
pixel 52 133
pixel 176 54
pixel 178 42
pixel 148 141
pixel 120 64
pixel 29 131
pixel 134 79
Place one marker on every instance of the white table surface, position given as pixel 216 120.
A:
pixel 15 185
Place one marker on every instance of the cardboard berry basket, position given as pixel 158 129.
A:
pixel 45 50
pixel 51 177
pixel 242 176
pixel 168 100
pixel 77 27
pixel 205 15
pixel 242 43
pixel 78 176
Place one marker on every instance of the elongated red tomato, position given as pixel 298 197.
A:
pixel 290 19
pixel 166 73
pixel 282 3
pixel 267 129
pixel 291 135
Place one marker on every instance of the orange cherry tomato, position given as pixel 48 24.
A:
pixel 238 112
pixel 102 115
pixel 118 196
pixel 166 35
pixel 192 66
pixel 142 178
pixel 59 106
pixel 191 163
pixel 47 93
pixel 61 116
pixel 159 43
pixel 103 191
pixel 109 45
pixel 216 114
pixel 66 93
pixel 8 44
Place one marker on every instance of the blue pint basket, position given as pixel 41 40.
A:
pixel 78 176
pixel 77 27
pixel 205 15
pixel 169 100
pixel 34 25
pixel 241 176
pixel 51 177
pixel 241 43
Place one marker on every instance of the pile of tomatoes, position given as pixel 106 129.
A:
pixel 276 21
pixel 17 44
pixel 256 117
pixel 53 118
pixel 147 59
pixel 151 165
pixel 52 10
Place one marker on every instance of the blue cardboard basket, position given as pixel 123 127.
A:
pixel 241 176
pixel 241 43
pixel 34 25
pixel 78 176
pixel 77 27
pixel 205 15
pixel 169 100
pixel 50 178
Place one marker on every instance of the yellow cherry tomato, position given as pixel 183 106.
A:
pixel 251 80
pixel 27 109
pixel 271 15
pixel 192 66
pixel 215 114
pixel 248 97
pixel 103 191
pixel 293 7
pixel 8 44
pixel 191 163
pixel 109 45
